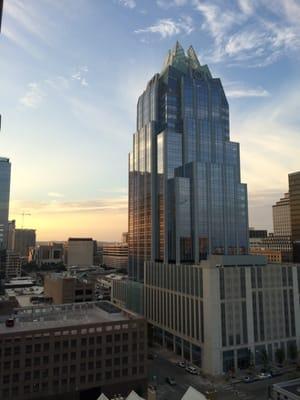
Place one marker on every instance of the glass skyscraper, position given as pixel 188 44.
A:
pixel 5 168
pixel 186 199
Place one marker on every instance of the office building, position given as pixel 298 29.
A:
pixel 255 308
pixel 64 288
pixel 115 255
pixel 80 252
pixel 294 192
pixel 288 390
pixel 47 254
pixel 59 352
pixel 11 231
pixel 1 11
pixel 282 216
pixel 5 169
pixel 24 240
pixel 186 199
pixel 257 233
pixel 10 264
pixel 190 274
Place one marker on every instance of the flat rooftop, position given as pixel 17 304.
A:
pixel 65 315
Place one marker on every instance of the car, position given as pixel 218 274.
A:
pixel 170 381
pixel 264 375
pixel 192 370
pixel 276 372
pixel 249 379
pixel 181 364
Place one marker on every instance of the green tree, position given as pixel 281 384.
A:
pixel 279 355
pixel 264 358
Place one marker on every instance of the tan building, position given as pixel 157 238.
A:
pixel 273 256
pixel 282 216
pixel 64 352
pixel 115 255
pixel 68 289
pixel 294 190
pixel 80 252
pixel 255 308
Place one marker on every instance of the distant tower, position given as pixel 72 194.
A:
pixel 186 200
pixel 5 168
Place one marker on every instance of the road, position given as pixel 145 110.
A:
pixel 160 368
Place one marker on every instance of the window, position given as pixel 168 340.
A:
pixel 125 348
pixel 28 362
pixel 91 340
pixel 73 356
pixel 46 346
pixel 98 364
pixel 108 338
pixel 28 349
pixel 73 343
pixel 109 350
pixel 16 363
pixel 108 375
pixel 108 363
pixel 37 348
pixel 27 375
pixel 36 374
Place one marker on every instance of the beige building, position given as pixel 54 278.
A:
pixel 115 255
pixel 80 252
pixel 64 288
pixel 64 352
pixel 282 216
pixel 273 256
pixel 255 307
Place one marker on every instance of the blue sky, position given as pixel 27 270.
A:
pixel 70 75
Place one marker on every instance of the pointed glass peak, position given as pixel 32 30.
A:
pixel 193 58
pixel 182 61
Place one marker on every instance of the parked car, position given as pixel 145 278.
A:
pixel 152 356
pixel 191 370
pixel 170 381
pixel 181 364
pixel 264 375
pixel 249 379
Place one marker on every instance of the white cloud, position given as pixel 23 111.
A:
pixel 168 27
pixel 170 3
pixel 128 3
pixel 80 75
pixel 34 96
pixel 246 6
pixel 237 90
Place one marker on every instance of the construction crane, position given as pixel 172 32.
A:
pixel 24 214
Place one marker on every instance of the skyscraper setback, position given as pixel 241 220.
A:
pixel 186 200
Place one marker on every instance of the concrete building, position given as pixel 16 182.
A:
pixel 255 307
pixel 294 192
pixel 64 288
pixel 80 252
pixel 5 170
pixel 273 247
pixel 10 264
pixel 282 216
pixel 64 352
pixel 24 240
pixel 115 255
pixel 272 256
pixel 51 253
pixel 289 390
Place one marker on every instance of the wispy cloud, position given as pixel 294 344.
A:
pixel 242 36
pixel 171 3
pixel 34 96
pixel 80 75
pixel 128 3
pixel 238 90
pixel 168 27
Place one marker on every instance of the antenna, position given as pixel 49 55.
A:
pixel 24 214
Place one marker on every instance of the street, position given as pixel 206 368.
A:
pixel 160 368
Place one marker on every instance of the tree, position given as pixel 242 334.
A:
pixel 279 355
pixel 264 358
pixel 293 351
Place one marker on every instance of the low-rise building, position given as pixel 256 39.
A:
pixel 53 352
pixel 64 288
pixel 273 256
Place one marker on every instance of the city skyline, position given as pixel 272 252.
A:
pixel 249 50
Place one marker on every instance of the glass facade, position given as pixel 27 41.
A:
pixel 4 198
pixel 186 200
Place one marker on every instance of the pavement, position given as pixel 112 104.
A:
pixel 164 365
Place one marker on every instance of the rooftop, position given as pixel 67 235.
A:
pixel 66 315
pixel 291 387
